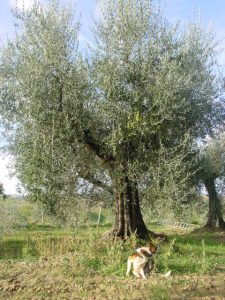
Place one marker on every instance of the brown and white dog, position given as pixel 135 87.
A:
pixel 142 260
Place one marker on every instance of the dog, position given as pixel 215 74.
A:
pixel 142 261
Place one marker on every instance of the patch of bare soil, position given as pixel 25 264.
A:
pixel 203 287
pixel 63 278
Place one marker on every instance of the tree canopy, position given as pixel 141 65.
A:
pixel 146 85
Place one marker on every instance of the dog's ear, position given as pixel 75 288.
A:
pixel 153 248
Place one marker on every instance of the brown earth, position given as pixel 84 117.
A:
pixel 63 278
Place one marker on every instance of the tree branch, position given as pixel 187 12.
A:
pixel 84 136
pixel 96 182
pixel 96 148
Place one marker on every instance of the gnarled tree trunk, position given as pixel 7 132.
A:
pixel 128 216
pixel 215 211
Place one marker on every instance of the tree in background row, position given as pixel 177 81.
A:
pixel 212 163
pixel 145 86
pixel 1 189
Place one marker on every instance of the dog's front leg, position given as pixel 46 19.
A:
pixel 139 269
pixel 142 271
pixel 129 266
pixel 136 274
pixel 136 268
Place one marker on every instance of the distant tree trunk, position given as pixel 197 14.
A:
pixel 42 216
pixel 215 211
pixel 128 216
pixel 221 222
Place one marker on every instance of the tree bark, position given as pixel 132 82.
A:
pixel 128 216
pixel 215 210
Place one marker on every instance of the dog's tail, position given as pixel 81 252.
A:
pixel 167 274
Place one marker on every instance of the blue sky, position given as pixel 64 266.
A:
pixel 211 11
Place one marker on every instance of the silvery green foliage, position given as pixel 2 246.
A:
pixel 74 212
pixel 148 70
pixel 155 83
pixel 169 190
pixel 144 88
pixel 40 65
pixel 212 157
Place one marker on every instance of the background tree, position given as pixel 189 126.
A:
pixel 212 169
pixel 1 189
pixel 169 191
pixel 146 86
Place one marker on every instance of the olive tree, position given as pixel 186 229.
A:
pixel 144 87
pixel 212 167
pixel 154 84
pixel 1 189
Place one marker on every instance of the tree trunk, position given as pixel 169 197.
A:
pixel 215 210
pixel 128 216
pixel 219 214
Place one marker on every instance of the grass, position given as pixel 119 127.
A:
pixel 51 263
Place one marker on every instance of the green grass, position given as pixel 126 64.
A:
pixel 184 254
pixel 98 266
pixel 188 254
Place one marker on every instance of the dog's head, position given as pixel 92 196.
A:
pixel 156 248
pixel 153 248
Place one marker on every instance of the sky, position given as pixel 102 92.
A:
pixel 212 12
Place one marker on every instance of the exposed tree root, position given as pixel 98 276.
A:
pixel 114 235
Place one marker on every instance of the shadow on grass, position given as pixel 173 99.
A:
pixel 10 249
pixel 35 227
pixel 196 238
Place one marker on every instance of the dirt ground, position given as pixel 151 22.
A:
pixel 62 277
